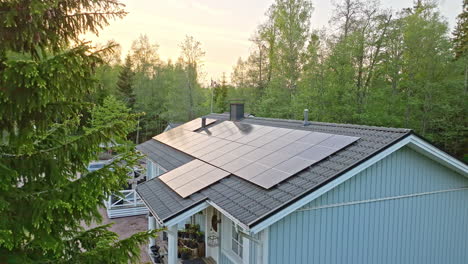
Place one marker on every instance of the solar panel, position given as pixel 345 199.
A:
pixel 293 165
pixel 270 178
pixel 242 150
pixel 257 154
pixel 261 154
pixel 316 153
pixel 251 170
pixel 314 138
pixel 236 164
pixel 220 161
pixel 337 141
pixel 274 159
pixel 192 177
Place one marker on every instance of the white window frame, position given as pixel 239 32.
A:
pixel 237 242
pixel 226 242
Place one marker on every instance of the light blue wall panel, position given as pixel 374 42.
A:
pixel 403 172
pixel 420 229
pixel 254 250
pixel 224 260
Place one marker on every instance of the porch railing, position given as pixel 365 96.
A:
pixel 128 203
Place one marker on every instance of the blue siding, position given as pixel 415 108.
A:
pixel 224 260
pixel 254 250
pixel 420 229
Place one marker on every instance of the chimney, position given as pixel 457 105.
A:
pixel 237 110
pixel 203 121
pixel 306 117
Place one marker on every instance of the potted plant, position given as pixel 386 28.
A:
pixel 196 227
pixel 181 234
pixel 192 243
pixel 185 253
pixel 200 236
pixel 191 233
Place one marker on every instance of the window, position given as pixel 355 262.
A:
pixel 236 241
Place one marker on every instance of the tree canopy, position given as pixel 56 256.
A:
pixel 46 78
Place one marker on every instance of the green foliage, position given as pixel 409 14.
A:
pixel 460 33
pixel 46 193
pixel 111 111
pixel 125 84
pixel 375 67
pixel 220 93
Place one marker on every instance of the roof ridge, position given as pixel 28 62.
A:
pixel 344 125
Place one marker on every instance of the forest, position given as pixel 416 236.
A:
pixel 370 66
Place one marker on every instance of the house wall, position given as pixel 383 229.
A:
pixel 346 225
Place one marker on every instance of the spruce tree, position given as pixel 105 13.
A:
pixel 46 194
pixel 125 83
pixel 220 95
pixel 460 33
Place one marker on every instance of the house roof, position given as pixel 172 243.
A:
pixel 165 156
pixel 248 203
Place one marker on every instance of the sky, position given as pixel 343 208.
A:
pixel 222 26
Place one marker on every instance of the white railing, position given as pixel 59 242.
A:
pixel 128 203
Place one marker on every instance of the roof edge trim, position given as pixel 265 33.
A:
pixel 427 149
pixel 156 217
pixel 186 213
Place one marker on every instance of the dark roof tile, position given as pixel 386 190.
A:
pixel 250 203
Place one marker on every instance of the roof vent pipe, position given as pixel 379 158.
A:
pixel 306 117
pixel 203 121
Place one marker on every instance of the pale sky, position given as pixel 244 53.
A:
pixel 222 26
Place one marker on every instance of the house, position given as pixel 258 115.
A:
pixel 384 195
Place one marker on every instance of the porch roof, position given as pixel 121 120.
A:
pixel 247 202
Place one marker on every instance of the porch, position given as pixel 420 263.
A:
pixel 217 238
pixel 190 239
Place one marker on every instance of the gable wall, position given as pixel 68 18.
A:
pixel 408 225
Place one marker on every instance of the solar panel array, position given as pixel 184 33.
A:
pixel 192 177
pixel 262 155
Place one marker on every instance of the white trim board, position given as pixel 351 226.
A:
pixel 423 147
pixel 412 141
pixel 228 215
pixel 186 214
